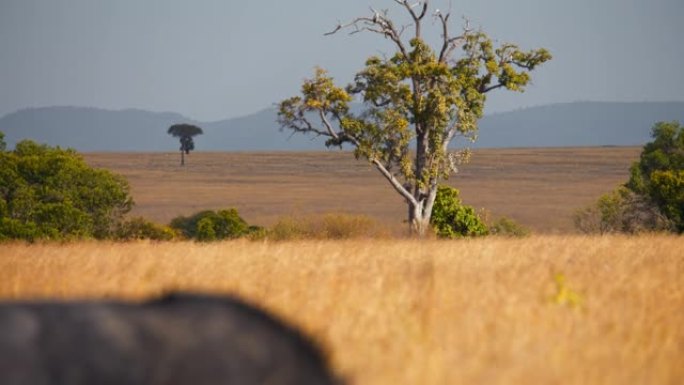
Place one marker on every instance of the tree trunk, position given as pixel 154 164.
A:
pixel 420 226
pixel 182 158
pixel 419 215
pixel 419 220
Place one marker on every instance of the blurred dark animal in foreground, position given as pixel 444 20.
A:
pixel 178 339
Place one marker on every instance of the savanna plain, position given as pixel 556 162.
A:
pixel 553 308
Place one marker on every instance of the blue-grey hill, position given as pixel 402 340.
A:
pixel 566 124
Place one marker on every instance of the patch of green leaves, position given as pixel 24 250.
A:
pixel 211 225
pixel 452 219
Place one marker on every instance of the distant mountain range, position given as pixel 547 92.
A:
pixel 567 124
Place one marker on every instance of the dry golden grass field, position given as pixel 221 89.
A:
pixel 540 188
pixel 483 311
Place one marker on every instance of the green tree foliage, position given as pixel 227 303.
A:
pixel 659 173
pixel 50 193
pixel 621 211
pixel 184 132
pixel 415 102
pixel 452 219
pixel 3 144
pixel 213 225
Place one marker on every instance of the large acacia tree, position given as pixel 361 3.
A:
pixel 414 101
pixel 185 132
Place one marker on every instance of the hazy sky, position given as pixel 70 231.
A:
pixel 214 59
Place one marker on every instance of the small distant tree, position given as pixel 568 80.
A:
pixel 3 145
pixel 415 101
pixel 185 132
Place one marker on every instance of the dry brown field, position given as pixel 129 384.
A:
pixel 482 311
pixel 540 188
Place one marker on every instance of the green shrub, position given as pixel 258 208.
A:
pixel 621 211
pixel 140 228
pixel 211 225
pixel 50 193
pixel 452 219
pixel 508 227
pixel 659 174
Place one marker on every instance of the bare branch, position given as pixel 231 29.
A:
pixel 379 23
pixel 327 125
pixel 451 132
pixel 522 65
pixel 340 26
pixel 394 182
pixel 403 28
pixel 409 8
pixel 299 123
pixel 484 90
pixel 424 11
pixel 309 129
pixel 450 43
pixel 306 126
pixel 337 28
pixel 416 17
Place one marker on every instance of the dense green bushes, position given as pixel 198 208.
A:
pixel 50 193
pixel 213 225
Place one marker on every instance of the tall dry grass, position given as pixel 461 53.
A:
pixel 406 312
